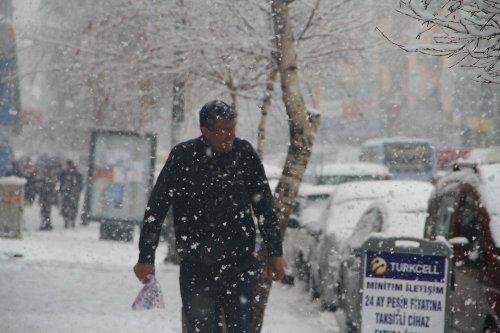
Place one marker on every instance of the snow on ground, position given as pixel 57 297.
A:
pixel 70 281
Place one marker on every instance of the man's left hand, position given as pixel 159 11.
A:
pixel 276 268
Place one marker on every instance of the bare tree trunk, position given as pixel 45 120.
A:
pixel 178 104
pixel 146 103
pixel 234 100
pixel 178 115
pixel 178 111
pixel 232 92
pixel 266 103
pixel 303 127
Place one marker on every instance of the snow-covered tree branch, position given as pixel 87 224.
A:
pixel 467 31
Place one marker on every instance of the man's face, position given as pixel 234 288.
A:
pixel 220 137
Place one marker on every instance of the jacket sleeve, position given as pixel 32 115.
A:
pixel 157 208
pixel 262 203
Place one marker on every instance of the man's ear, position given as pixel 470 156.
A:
pixel 204 131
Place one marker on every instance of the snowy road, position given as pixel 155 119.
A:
pixel 69 281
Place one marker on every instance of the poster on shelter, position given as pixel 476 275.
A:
pixel 120 175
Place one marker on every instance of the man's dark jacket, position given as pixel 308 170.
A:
pixel 212 195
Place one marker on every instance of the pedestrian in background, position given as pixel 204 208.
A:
pixel 47 196
pixel 214 184
pixel 70 187
pixel 15 170
pixel 30 189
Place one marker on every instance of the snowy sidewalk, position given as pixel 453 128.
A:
pixel 70 281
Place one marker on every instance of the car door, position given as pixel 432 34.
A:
pixel 466 290
pixel 371 221
pixel 446 206
pixel 442 209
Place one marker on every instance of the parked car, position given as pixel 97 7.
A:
pixel 303 229
pixel 401 213
pixel 338 173
pixel 464 209
pixel 446 157
pixel 346 205
pixel 488 155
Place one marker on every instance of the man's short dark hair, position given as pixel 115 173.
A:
pixel 213 111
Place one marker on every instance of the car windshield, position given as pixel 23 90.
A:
pixel 343 216
pixel 406 224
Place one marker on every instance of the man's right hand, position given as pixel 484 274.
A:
pixel 143 270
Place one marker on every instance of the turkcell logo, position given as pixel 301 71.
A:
pixel 405 266
pixel 378 265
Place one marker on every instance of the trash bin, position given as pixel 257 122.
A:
pixel 11 206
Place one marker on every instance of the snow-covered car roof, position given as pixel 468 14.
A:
pixel 410 199
pixel 376 142
pixel 348 201
pixel 375 189
pixel 356 169
pixel 307 189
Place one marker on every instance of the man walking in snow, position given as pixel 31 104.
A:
pixel 214 184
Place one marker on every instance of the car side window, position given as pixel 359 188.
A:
pixel 431 219
pixel 469 226
pixel 371 221
pixel 446 208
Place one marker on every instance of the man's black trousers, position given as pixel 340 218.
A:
pixel 208 289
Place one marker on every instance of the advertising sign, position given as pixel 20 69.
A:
pixel 9 81
pixel 405 289
pixel 121 171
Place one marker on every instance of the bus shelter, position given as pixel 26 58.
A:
pixel 120 177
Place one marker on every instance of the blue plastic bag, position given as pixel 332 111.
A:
pixel 150 296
